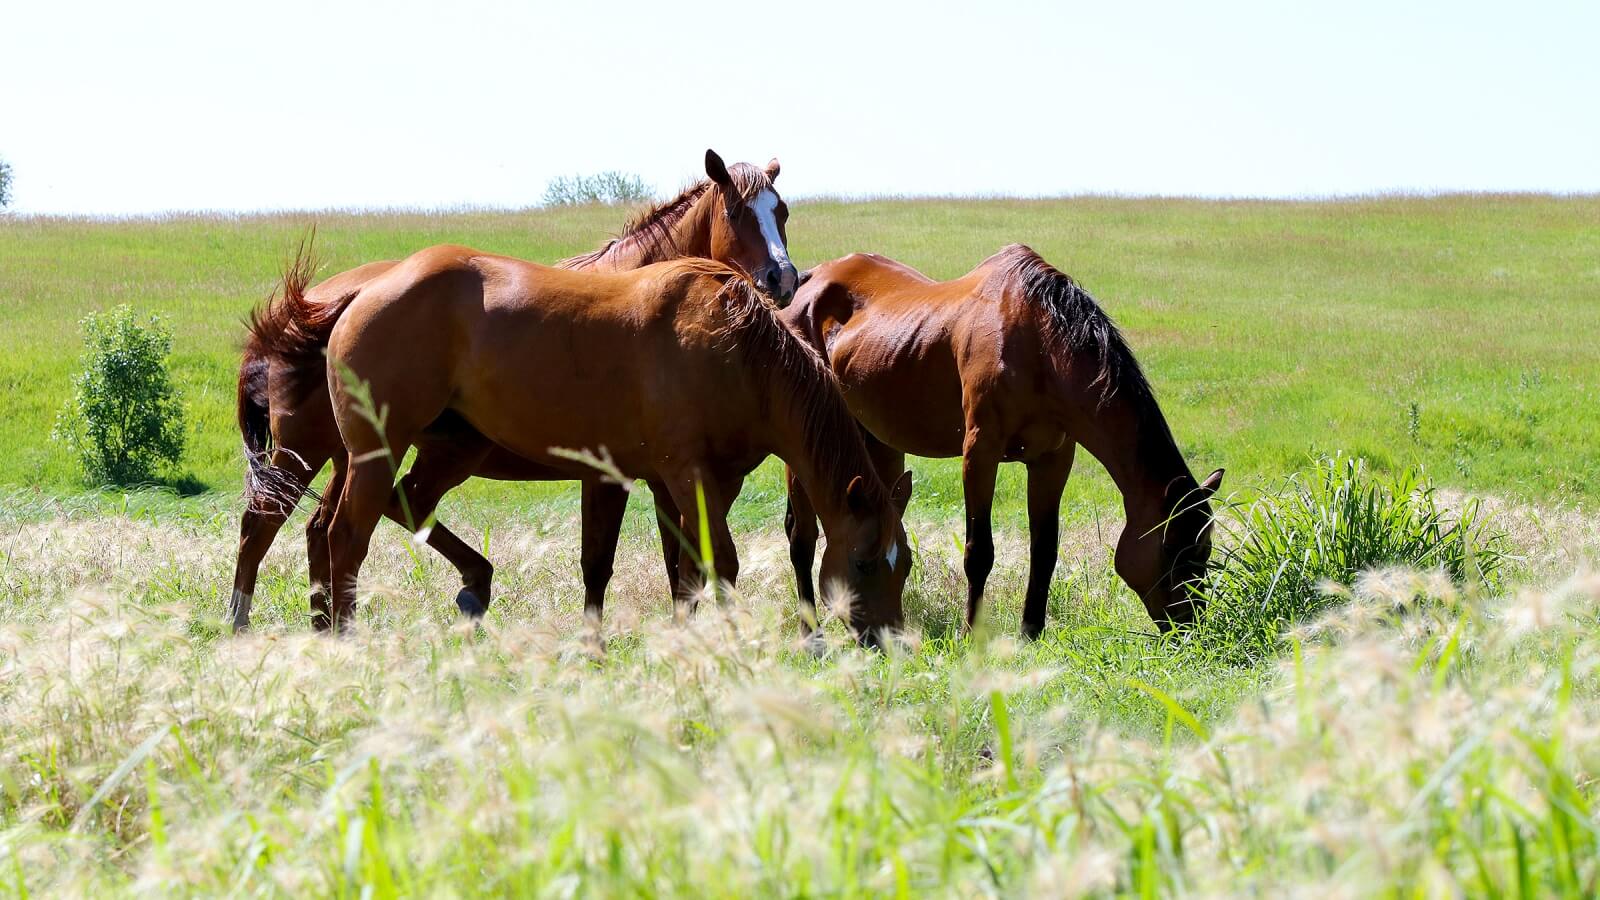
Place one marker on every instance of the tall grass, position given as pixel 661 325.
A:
pixel 1285 555
pixel 1418 731
pixel 1441 746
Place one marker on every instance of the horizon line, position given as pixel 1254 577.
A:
pixel 834 198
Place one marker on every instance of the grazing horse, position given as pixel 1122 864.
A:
pixel 735 216
pixel 1013 361
pixel 677 370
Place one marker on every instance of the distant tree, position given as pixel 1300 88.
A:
pixel 605 187
pixel 5 183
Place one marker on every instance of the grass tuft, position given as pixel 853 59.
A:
pixel 1287 556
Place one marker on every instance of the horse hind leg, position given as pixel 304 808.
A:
pixel 362 500
pixel 411 397
pixel 442 465
pixel 317 548
pixel 259 526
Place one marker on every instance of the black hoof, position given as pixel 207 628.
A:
pixel 872 638
pixel 1032 630
pixel 471 605
pixel 321 611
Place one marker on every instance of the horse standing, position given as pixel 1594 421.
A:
pixel 735 216
pixel 677 370
pixel 1013 361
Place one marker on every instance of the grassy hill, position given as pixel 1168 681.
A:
pixel 1458 332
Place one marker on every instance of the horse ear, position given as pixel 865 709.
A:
pixel 772 169
pixel 900 494
pixel 855 496
pixel 1212 483
pixel 716 171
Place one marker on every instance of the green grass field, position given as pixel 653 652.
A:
pixel 1409 736
pixel 1271 330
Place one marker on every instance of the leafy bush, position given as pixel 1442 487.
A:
pixel 5 183
pixel 1282 551
pixel 124 419
pixel 605 187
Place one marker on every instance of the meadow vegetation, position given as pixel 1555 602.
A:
pixel 1395 687
pixel 1454 332
pixel 124 419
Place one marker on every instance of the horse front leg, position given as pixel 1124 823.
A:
pixel 604 505
pixel 979 462
pixel 724 565
pixel 669 523
pixel 800 524
pixel 1047 479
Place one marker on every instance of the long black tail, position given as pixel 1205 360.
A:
pixel 267 488
pixel 255 423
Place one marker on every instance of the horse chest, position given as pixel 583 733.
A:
pixel 1034 441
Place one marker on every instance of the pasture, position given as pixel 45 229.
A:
pixel 1421 735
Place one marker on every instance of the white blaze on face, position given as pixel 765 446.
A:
pixel 764 206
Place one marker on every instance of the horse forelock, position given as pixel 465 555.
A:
pixel 749 181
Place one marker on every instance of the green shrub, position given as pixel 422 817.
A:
pixel 5 183
pixel 606 187
pixel 124 420
pixel 1327 526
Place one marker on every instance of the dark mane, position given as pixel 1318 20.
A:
pixel 1074 319
pixel 1084 330
pixel 651 231
pixel 783 365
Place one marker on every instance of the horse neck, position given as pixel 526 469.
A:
pixel 689 236
pixel 824 467
pixel 1129 436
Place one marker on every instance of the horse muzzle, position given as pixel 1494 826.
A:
pixel 779 282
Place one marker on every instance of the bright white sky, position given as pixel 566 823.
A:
pixel 118 107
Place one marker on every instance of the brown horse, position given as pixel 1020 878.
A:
pixel 735 216
pixel 677 370
pixel 1010 362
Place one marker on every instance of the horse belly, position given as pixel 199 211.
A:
pixel 911 403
